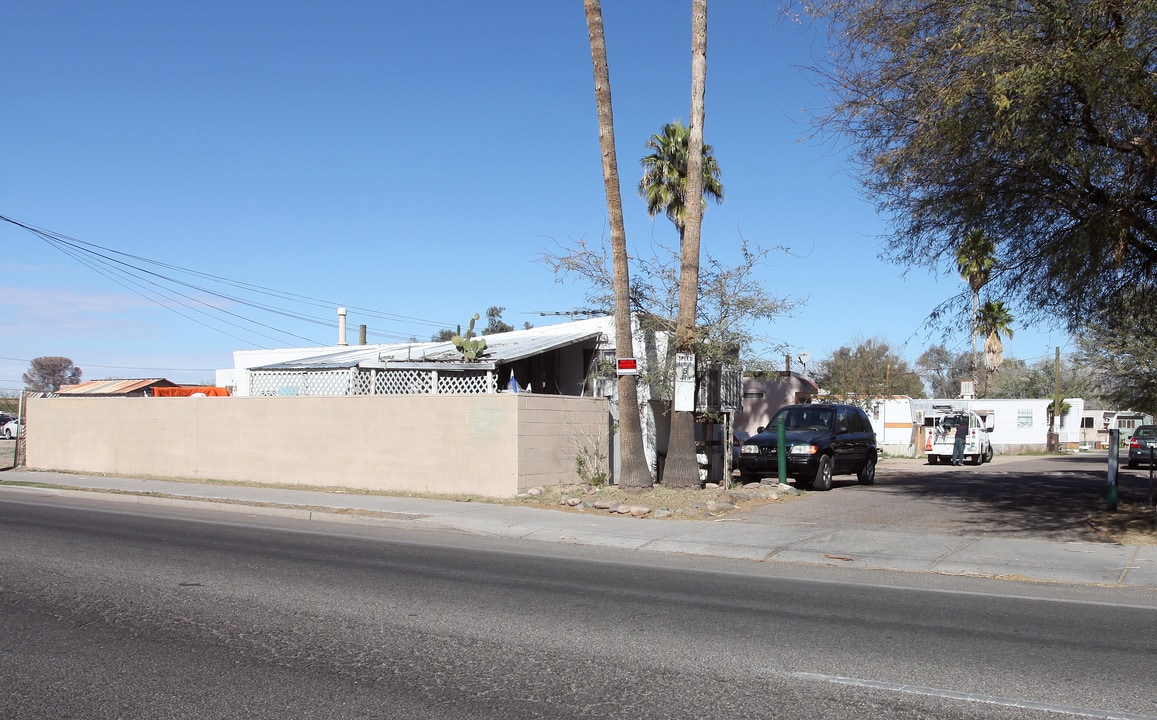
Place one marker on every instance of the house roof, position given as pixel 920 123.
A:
pixel 500 348
pixel 114 387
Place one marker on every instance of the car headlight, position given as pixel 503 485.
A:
pixel 750 450
pixel 803 450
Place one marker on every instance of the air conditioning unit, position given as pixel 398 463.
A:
pixel 919 417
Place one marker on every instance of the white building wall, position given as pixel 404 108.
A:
pixel 1020 424
pixel 893 421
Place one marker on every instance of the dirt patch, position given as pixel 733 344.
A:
pixel 684 504
pixel 7 454
pixel 1131 524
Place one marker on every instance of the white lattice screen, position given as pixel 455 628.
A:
pixel 358 381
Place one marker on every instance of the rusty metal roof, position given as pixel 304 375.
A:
pixel 114 387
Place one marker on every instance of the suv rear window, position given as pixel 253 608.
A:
pixel 1145 431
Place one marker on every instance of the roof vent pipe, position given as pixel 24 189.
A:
pixel 361 334
pixel 341 327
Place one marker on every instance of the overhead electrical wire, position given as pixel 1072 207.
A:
pixel 106 261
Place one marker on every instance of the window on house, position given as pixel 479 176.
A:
pixel 1024 417
pixel 1086 422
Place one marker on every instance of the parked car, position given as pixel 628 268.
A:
pixel 821 440
pixel 1143 438
pixel 5 418
pixel 11 429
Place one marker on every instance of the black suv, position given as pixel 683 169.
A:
pixel 821 440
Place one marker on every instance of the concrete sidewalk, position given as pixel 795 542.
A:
pixel 1018 559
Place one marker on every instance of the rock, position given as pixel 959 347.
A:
pixel 720 507
pixel 639 511
pixel 623 510
pixel 725 498
pixel 785 489
pixel 715 486
pixel 588 504
pixel 539 490
pixel 562 500
pixel 522 496
pixel 662 513
pixel 604 504
pixel 574 502
pixel 753 485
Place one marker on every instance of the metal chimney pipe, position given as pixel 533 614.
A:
pixel 341 327
pixel 361 334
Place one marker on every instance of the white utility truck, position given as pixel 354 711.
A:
pixel 940 434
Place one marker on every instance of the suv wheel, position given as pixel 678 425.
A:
pixel 987 455
pixel 823 480
pixel 867 474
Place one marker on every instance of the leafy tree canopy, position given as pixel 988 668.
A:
pixel 48 373
pixel 1035 122
pixel 869 370
pixel 1123 356
pixel 943 370
pixel 494 322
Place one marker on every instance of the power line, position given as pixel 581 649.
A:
pixel 120 367
pixel 164 290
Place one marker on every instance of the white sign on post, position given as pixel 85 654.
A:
pixel 684 382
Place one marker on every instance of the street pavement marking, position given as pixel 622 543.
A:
pixel 972 697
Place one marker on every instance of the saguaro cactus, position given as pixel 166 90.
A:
pixel 470 347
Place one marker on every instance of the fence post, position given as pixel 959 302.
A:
pixel 1114 454
pixel 781 449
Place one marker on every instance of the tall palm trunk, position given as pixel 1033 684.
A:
pixel 682 468
pixel 975 322
pixel 634 471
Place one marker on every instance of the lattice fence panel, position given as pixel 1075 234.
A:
pixel 307 382
pixel 473 383
pixel 404 382
pixel 361 382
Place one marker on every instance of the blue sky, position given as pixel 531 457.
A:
pixel 411 159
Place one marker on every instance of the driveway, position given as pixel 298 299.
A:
pixel 1043 497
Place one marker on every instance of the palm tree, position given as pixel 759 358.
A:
pixel 664 182
pixel 975 259
pixel 993 320
pixel 686 185
pixel 634 471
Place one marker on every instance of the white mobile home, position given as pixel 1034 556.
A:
pixel 1019 424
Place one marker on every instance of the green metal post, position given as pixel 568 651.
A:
pixel 781 449
pixel 1114 452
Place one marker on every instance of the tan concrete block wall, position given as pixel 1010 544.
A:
pixel 492 445
pixel 552 434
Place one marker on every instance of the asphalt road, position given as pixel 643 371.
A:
pixel 1044 497
pixel 183 614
